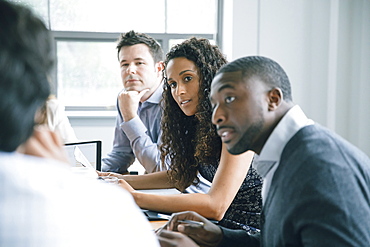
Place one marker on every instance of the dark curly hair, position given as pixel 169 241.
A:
pixel 188 141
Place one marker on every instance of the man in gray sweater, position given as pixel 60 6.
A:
pixel 316 185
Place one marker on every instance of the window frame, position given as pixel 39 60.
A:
pixel 163 38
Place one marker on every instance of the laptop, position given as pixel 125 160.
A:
pixel 84 154
pixel 154 215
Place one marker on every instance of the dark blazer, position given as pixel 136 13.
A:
pixel 319 195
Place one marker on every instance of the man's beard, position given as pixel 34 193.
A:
pixel 246 142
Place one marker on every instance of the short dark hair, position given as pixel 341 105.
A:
pixel 133 38
pixel 25 64
pixel 265 68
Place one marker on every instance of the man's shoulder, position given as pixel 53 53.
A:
pixel 314 137
pixel 316 145
pixel 35 172
pixel 67 207
pixel 15 162
pixel 55 182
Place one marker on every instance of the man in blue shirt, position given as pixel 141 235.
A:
pixel 137 131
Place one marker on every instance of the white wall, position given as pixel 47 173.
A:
pixel 324 46
pixel 95 128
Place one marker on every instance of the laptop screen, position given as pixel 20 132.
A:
pixel 84 154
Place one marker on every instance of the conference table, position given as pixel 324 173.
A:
pixel 159 222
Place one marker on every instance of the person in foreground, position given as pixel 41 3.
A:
pixel 190 142
pixel 41 202
pixel 316 185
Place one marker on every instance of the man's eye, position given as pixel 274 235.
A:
pixel 229 99
pixel 124 65
pixel 139 63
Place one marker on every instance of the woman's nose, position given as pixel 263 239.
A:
pixel 181 89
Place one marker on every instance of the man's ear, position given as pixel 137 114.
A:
pixel 159 66
pixel 275 97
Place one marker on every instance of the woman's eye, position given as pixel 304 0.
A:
pixel 172 84
pixel 188 78
pixel 229 99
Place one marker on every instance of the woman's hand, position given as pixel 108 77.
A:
pixel 122 183
pixel 110 174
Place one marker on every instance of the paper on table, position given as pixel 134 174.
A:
pixel 81 159
pixel 172 191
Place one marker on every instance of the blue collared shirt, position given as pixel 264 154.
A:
pixel 139 137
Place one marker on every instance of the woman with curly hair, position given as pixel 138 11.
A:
pixel 190 146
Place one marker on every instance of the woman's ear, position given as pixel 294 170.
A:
pixel 275 97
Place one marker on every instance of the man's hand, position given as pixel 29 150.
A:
pixel 205 234
pixel 44 143
pixel 172 239
pixel 129 102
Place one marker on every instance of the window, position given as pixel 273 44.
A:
pixel 87 75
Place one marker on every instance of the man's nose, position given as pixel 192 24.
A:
pixel 218 115
pixel 131 69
